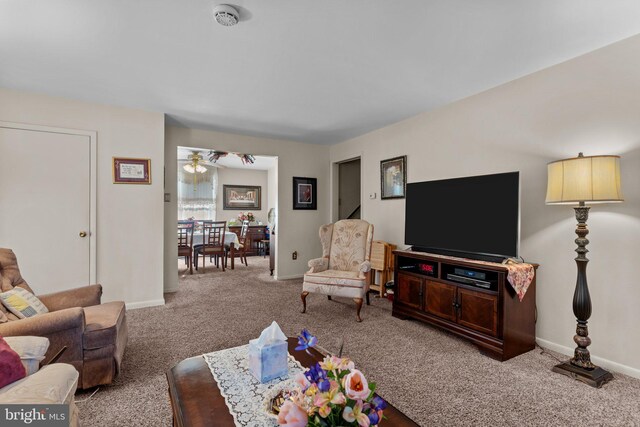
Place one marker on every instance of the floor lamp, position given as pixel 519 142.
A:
pixel 583 180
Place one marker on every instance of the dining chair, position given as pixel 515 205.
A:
pixel 212 243
pixel 241 250
pixel 185 242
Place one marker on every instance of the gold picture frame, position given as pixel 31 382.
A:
pixel 127 170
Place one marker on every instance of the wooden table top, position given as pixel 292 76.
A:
pixel 196 399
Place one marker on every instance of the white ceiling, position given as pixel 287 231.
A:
pixel 314 71
pixel 231 161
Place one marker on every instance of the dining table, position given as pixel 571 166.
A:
pixel 231 242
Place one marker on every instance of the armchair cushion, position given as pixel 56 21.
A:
pixel 336 277
pixel 22 303
pixel 31 351
pixel 46 324
pixel 318 264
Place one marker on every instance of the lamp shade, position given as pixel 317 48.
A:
pixel 594 179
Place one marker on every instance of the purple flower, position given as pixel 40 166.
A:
pixel 378 403
pixel 374 419
pixel 324 386
pixel 306 341
pixel 315 374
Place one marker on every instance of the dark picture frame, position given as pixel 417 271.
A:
pixel 305 193
pixel 242 197
pixel 126 170
pixel 393 178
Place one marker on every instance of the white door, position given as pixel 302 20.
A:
pixel 46 191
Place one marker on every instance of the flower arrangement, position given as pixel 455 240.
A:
pixel 246 216
pixel 330 393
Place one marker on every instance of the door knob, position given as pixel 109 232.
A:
pixel 83 234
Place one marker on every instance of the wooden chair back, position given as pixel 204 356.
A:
pixel 242 238
pixel 213 236
pixel 185 234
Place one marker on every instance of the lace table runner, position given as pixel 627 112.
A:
pixel 244 395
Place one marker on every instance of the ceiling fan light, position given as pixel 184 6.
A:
pixel 200 169
pixel 189 168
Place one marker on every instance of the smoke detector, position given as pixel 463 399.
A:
pixel 226 15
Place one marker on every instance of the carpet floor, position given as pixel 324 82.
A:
pixel 432 376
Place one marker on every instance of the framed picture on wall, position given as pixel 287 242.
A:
pixel 241 197
pixel 393 178
pixel 305 193
pixel 131 171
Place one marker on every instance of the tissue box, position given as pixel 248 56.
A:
pixel 269 361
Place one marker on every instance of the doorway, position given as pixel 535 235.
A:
pixel 213 185
pixel 48 203
pixel 349 201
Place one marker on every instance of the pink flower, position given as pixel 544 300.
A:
pixel 355 414
pixel 302 381
pixel 356 386
pixel 332 396
pixel 292 415
pixel 325 411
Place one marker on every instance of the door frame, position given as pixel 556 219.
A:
pixel 93 185
pixel 335 182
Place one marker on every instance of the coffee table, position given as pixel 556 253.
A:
pixel 196 399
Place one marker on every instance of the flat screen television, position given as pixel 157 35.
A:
pixel 473 217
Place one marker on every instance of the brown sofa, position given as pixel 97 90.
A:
pixel 95 334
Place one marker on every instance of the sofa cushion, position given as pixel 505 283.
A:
pixel 335 277
pixel 22 303
pixel 54 383
pixel 30 349
pixel 11 368
pixel 102 324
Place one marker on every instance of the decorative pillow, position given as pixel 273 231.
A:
pixel 22 303
pixel 30 349
pixel 11 368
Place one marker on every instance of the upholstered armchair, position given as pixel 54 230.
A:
pixel 343 270
pixel 95 334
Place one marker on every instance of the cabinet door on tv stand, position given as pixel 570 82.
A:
pixel 441 300
pixel 478 311
pixel 409 292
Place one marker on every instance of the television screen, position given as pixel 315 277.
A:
pixel 472 215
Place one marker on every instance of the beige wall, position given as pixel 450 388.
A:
pixel 297 230
pixel 129 217
pixel 590 104
pixel 231 176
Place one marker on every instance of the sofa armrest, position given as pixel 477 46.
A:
pixel 79 297
pixel 64 328
pixel 43 325
pixel 317 265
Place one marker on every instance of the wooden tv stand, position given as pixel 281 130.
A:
pixel 493 319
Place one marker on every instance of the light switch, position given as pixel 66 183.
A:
pixel 167 197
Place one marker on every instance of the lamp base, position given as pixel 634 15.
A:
pixel 594 377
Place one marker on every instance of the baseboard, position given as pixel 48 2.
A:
pixel 605 363
pixel 171 290
pixel 142 304
pixel 292 276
